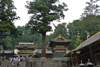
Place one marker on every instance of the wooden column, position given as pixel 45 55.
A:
pixel 72 57
pixel 91 54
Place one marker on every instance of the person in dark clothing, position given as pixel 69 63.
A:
pixel 17 63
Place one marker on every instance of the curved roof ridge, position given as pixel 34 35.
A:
pixel 59 36
pixel 25 43
pixel 88 39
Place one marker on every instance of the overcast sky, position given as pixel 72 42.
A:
pixel 75 10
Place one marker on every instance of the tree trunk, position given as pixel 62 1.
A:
pixel 43 54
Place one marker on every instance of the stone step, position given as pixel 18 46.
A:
pixel 8 63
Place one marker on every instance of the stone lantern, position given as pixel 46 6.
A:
pixel 81 64
pixel 89 63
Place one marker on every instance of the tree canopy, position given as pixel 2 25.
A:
pixel 43 12
pixel 77 30
pixel 7 17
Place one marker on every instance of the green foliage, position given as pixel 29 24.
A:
pixel 7 17
pixel 64 60
pixel 91 9
pixel 92 24
pixel 84 28
pixel 77 31
pixel 44 12
pixel 61 29
pixel 87 26
pixel 34 60
pixel 73 32
pixel 10 42
pixel 1 47
pixel 77 42
pixel 63 64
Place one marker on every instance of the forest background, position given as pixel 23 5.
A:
pixel 78 31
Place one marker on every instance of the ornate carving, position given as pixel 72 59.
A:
pixel 59 36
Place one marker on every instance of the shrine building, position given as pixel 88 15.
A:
pixel 59 46
pixel 25 49
pixel 89 49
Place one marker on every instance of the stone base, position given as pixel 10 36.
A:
pixel 58 54
pixel 43 58
pixel 61 58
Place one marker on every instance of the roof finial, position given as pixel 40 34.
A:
pixel 25 45
pixel 59 36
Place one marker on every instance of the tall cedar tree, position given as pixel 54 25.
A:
pixel 43 12
pixel 7 17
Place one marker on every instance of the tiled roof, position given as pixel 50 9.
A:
pixel 62 40
pixel 21 45
pixel 59 38
pixel 7 51
pixel 89 41
pixel 28 45
pixel 25 44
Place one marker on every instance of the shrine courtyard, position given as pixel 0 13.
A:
pixel 86 54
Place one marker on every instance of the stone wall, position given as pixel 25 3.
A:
pixel 43 62
pixel 58 54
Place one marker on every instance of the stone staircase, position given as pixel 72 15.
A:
pixel 8 63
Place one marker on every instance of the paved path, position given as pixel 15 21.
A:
pixel 8 63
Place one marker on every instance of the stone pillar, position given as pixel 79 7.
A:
pixel 27 56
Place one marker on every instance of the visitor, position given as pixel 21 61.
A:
pixel 24 58
pixel 20 59
pixel 13 63
pixel 14 59
pixel 11 59
pixel 17 63
pixel 17 59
